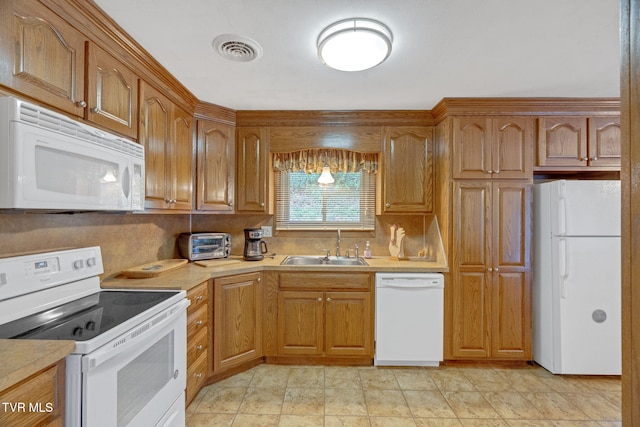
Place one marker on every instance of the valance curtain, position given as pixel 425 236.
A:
pixel 313 160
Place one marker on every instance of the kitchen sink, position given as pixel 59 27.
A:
pixel 317 260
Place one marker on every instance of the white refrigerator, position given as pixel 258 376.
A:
pixel 577 279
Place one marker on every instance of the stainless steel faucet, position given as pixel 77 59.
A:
pixel 338 244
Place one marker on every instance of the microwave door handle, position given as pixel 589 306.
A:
pixel 126 182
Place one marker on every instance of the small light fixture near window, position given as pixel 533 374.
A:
pixel 326 177
pixel 354 44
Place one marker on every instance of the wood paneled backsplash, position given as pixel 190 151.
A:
pixel 126 240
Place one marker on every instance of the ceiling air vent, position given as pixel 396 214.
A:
pixel 237 48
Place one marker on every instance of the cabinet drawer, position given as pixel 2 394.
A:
pixel 42 396
pixel 197 296
pixel 323 281
pixel 197 346
pixel 196 376
pixel 196 322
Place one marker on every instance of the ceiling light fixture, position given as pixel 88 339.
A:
pixel 354 44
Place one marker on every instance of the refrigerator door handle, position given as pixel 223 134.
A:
pixel 562 216
pixel 564 267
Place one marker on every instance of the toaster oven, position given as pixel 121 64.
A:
pixel 197 246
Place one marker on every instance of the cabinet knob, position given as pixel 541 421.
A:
pixel 496 269
pixel 593 159
pixel 388 205
pixel 489 171
pixel 95 109
pixel 199 323
pixel 198 376
pixel 172 201
pixel 328 299
pixel 259 279
pixel 584 159
pixel 199 298
pixel 319 298
pixel 262 205
pixel 81 104
pixel 496 171
pixel 489 269
pixel 231 203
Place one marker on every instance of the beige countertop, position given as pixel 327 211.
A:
pixel 23 358
pixel 191 275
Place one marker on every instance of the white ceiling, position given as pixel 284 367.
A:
pixel 442 48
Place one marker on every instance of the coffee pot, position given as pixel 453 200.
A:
pixel 254 246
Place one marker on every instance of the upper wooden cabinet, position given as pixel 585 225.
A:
pixel 572 143
pixel 215 169
pixel 112 92
pixel 492 148
pixel 166 132
pixel 408 170
pixel 491 290
pixel 42 56
pixel 252 159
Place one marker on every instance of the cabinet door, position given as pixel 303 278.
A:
pixel 471 293
pixel 604 141
pixel 511 280
pixel 348 324
pixel 112 93
pixel 216 159
pixel 512 147
pixel 408 169
pixel 181 160
pixel 300 323
pixel 562 141
pixel 155 117
pixel 42 56
pixel 471 148
pixel 44 391
pixel 251 171
pixel 237 315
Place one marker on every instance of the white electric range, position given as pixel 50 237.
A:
pixel 129 363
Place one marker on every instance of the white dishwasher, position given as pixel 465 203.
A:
pixel 409 319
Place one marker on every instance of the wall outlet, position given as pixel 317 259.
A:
pixel 267 231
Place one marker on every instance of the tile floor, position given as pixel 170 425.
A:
pixel 300 396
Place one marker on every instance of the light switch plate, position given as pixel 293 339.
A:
pixel 267 231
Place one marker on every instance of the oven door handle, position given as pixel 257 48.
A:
pixel 148 331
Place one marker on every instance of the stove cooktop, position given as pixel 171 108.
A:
pixel 86 317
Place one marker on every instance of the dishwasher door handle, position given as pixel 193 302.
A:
pixel 403 283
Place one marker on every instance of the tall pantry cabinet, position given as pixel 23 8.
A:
pixel 486 176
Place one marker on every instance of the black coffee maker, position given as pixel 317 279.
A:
pixel 254 246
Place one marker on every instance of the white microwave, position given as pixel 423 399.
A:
pixel 49 161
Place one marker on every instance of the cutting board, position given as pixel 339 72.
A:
pixel 155 268
pixel 216 262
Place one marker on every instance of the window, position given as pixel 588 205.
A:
pixel 304 204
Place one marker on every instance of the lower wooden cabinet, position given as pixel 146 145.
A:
pixel 491 289
pixel 197 339
pixel 237 320
pixel 325 315
pixel 43 395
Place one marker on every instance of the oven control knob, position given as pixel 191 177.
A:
pixel 90 326
pixel 78 264
pixel 91 262
pixel 77 331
